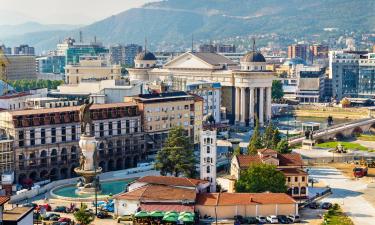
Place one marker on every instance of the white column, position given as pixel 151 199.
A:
pixel 237 105
pixel 261 106
pixel 251 106
pixel 243 103
pixel 269 104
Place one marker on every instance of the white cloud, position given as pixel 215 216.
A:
pixel 64 11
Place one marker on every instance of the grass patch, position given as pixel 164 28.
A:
pixel 366 137
pixel 346 145
pixel 335 216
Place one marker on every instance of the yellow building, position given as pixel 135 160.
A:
pixel 290 164
pixel 161 112
pixel 91 68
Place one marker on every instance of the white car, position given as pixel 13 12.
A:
pixel 261 219
pixel 294 218
pixel 272 219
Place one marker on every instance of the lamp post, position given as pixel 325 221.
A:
pixel 96 189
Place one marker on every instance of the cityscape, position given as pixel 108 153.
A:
pixel 187 112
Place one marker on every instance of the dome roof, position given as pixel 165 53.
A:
pixel 253 57
pixel 145 55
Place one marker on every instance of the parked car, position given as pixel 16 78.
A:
pixel 314 205
pixel 283 219
pixel 47 207
pixel 51 216
pixel 103 214
pixel 65 219
pixel 251 220
pixel 125 218
pixel 294 218
pixel 272 219
pixel 326 205
pixel 261 219
pixel 61 209
pixel 239 218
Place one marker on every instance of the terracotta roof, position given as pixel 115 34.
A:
pixel 69 108
pixel 159 193
pixel 245 161
pixel 211 199
pixel 267 151
pixel 4 199
pixel 293 171
pixel 171 181
pixel 291 159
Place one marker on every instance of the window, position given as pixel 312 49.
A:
pixel 74 135
pixel 63 134
pixel 110 127
pixel 208 159
pixel 136 126
pixel 303 190
pixel 32 137
pixel 208 169
pixel 21 138
pixel 101 130
pixel 118 127
pixel 288 179
pixel 43 136
pixel 53 135
pixel 303 179
pixel 127 126
pixel 295 191
pixel 208 150
pixel 295 179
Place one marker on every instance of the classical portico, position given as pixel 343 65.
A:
pixel 246 88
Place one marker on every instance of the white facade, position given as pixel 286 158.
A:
pixel 208 158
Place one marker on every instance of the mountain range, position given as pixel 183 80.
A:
pixel 175 21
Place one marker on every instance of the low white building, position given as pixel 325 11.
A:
pixel 18 101
pixel 18 216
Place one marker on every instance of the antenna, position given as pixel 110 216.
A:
pixel 145 44
pixel 80 37
pixel 253 44
pixel 192 42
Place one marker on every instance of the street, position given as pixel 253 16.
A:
pixel 348 194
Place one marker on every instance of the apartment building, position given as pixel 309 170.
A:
pixel 45 141
pixel 161 112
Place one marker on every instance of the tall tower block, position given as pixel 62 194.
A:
pixel 208 157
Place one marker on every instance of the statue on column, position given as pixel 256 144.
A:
pixel 82 160
pixel 85 118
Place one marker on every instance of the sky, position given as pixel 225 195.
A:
pixel 77 12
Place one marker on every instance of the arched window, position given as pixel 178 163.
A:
pixel 295 190
pixel 208 149
pixel 208 169
pixel 303 190
pixel 208 159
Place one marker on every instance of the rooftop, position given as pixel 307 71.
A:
pixel 291 159
pixel 228 199
pixel 171 181
pixel 4 199
pixel 161 193
pixel 213 58
pixel 16 214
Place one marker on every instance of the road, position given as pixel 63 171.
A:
pixel 348 194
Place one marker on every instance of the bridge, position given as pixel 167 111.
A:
pixel 338 131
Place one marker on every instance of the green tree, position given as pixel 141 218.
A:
pixel 260 178
pixel 276 138
pixel 268 135
pixel 255 140
pixel 277 90
pixel 177 156
pixel 84 217
pixel 283 147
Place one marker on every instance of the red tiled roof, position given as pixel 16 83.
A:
pixel 267 151
pixel 211 199
pixel 167 207
pixel 69 108
pixel 159 193
pixel 172 181
pixel 293 171
pixel 291 159
pixel 4 199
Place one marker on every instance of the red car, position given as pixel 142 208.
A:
pixel 47 207
pixel 64 219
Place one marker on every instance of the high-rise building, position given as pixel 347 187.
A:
pixel 50 64
pixel 218 48
pixel 130 52
pixel 65 45
pixel 21 67
pixel 319 51
pixel 75 51
pixel 297 50
pixel 24 50
pixel 207 48
pixel 117 54
pixel 6 50
pixel 352 74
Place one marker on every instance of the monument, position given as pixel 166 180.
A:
pixel 308 143
pixel 88 167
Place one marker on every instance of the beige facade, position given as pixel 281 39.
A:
pixel 162 112
pixel 6 156
pixel 91 68
pixel 21 67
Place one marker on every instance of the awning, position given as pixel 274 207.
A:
pixel 167 207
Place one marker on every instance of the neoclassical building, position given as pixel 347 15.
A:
pixel 246 87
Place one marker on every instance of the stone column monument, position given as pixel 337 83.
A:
pixel 88 167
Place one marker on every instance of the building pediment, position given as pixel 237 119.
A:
pixel 186 61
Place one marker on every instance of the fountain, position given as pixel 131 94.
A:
pixel 88 159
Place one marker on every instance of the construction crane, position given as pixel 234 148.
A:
pixel 4 62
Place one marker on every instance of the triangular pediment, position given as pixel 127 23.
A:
pixel 187 61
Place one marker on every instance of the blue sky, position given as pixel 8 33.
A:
pixel 62 11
